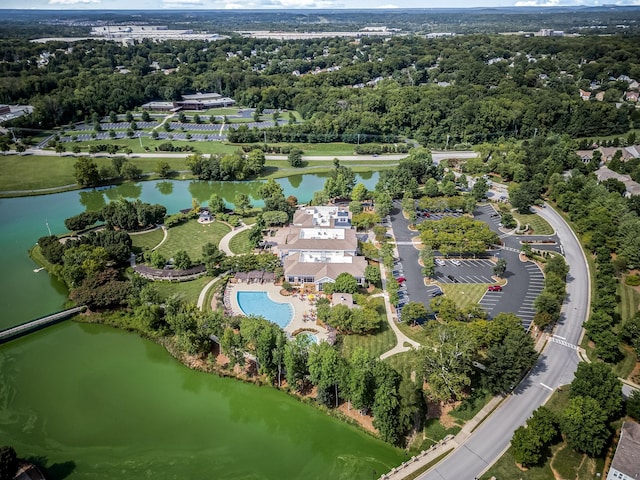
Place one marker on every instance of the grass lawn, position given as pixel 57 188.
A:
pixel 629 301
pixel 134 145
pixel 30 172
pixel 191 236
pixel 471 405
pixel 464 294
pixel 187 291
pixel 417 333
pixel 240 243
pixel 375 344
pixel 25 172
pixel 538 224
pixel 558 401
pixel 505 468
pixel 147 240
pixel 434 431
pixel 403 362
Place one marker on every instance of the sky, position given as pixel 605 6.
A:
pixel 287 4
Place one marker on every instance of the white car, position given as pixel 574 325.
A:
pixel 439 262
pixel 456 262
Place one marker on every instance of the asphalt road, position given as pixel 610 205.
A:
pixel 556 366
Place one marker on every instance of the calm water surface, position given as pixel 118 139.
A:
pixel 92 402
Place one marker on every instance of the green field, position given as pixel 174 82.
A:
pixel 32 172
pixel 538 224
pixel 240 243
pixel 464 294
pixel 187 291
pixel 147 240
pixel 191 236
pixel 629 301
pixel 375 344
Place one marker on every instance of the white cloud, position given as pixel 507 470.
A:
pixel 389 5
pixel 71 2
pixel 537 3
pixel 181 3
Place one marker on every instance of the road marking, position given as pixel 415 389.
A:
pixel 562 342
pixel 547 387
pixel 558 336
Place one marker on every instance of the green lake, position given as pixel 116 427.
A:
pixel 92 402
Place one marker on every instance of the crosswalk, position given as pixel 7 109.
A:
pixel 563 342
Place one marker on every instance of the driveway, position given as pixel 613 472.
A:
pixel 555 366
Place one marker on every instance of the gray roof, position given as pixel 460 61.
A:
pixel 627 457
pixel 292 266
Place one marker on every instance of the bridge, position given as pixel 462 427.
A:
pixel 28 327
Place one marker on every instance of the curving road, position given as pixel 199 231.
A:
pixel 556 366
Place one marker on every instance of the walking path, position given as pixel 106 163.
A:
pixel 401 338
pixel 224 241
pixel 205 290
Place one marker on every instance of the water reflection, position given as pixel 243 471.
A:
pixel 165 188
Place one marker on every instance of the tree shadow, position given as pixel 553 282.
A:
pixel 55 471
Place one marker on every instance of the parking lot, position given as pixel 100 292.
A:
pixel 469 271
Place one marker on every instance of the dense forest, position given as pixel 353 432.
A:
pixel 446 91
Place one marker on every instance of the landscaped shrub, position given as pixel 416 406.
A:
pixel 632 280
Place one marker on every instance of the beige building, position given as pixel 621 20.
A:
pixel 318 246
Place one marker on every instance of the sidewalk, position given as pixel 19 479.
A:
pixel 447 444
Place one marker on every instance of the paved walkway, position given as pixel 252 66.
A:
pixel 300 306
pixel 224 241
pixel 205 289
pixel 401 338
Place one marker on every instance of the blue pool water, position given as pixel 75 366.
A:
pixel 259 303
pixel 312 337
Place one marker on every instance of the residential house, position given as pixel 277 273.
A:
pixel 631 96
pixel 626 461
pixel 632 188
pixel 600 96
pixel 585 95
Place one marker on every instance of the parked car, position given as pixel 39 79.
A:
pixel 451 277
pixel 495 288
pixel 456 262
pixel 401 279
pixel 440 262
pixel 437 293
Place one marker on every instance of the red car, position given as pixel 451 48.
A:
pixel 401 279
pixel 495 288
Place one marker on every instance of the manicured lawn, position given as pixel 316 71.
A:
pixel 417 333
pixel 464 294
pixel 375 344
pixel 134 145
pixel 36 172
pixel 187 291
pixel 471 405
pixel 147 240
pixel 505 468
pixel 434 431
pixel 404 362
pixel 538 224
pixel 191 236
pixel 629 301
pixel 240 243
pixel 25 172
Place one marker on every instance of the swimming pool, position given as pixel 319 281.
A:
pixel 259 303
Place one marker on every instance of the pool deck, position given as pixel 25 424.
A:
pixel 300 307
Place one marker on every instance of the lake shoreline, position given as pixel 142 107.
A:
pixel 206 364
